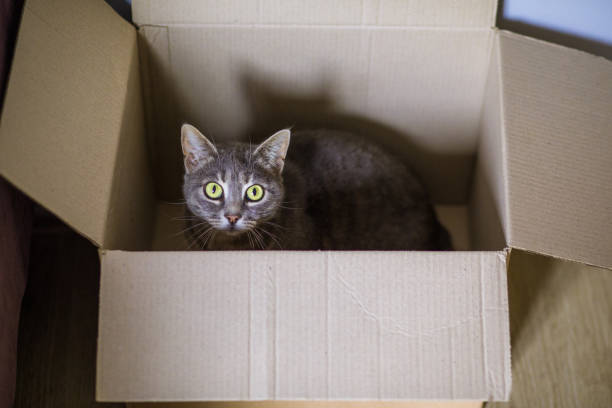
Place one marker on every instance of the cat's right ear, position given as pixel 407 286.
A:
pixel 197 149
pixel 271 153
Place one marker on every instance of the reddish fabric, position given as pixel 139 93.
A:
pixel 15 228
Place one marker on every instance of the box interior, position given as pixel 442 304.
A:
pixel 424 101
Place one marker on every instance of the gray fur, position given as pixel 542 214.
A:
pixel 333 190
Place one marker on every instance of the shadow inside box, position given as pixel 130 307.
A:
pixel 529 276
pixel 273 106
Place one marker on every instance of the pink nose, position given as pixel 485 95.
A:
pixel 233 219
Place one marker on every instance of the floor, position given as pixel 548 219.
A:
pixel 58 328
pixel 560 312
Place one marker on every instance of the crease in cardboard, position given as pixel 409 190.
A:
pixel 252 311
pixel 148 100
pixel 505 202
pixel 131 206
pixel 387 324
pixel 327 326
pixel 276 331
pixel 483 324
pixel 451 352
pixel 503 385
pixel 367 27
pixel 507 359
pixel 489 197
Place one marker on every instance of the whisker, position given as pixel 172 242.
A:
pixel 194 240
pixel 207 237
pixel 290 208
pixel 191 238
pixel 259 237
pixel 288 202
pixel 210 237
pixel 250 239
pixel 199 237
pixel 189 228
pixel 271 236
pixel 185 218
pixel 275 225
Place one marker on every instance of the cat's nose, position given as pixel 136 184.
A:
pixel 233 219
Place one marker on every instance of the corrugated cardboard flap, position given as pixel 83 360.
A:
pixel 74 92
pixel 420 13
pixel 269 325
pixel 557 111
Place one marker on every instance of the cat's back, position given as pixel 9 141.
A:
pixel 361 196
pixel 335 160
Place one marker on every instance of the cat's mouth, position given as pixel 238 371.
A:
pixel 233 230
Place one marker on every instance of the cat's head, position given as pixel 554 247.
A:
pixel 233 188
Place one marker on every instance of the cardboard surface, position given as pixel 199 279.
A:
pixel 488 205
pixel 557 105
pixel 131 212
pixel 64 111
pixel 444 13
pixel 561 325
pixel 303 325
pixel 423 99
pixel 310 404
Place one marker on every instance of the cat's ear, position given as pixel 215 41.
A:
pixel 197 149
pixel 271 153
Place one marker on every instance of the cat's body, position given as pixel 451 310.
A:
pixel 334 191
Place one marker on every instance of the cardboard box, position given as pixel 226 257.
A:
pixel 512 136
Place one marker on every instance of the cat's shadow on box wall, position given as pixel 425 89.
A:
pixel 274 107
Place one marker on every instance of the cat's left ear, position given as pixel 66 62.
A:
pixel 271 153
pixel 197 149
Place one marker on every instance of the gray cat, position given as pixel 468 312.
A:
pixel 327 190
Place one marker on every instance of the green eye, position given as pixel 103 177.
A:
pixel 255 192
pixel 213 190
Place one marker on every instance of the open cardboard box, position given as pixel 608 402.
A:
pixel 512 136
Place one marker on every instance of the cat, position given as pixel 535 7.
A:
pixel 310 190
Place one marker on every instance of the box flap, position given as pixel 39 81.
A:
pixel 73 92
pixel 180 326
pixel 444 13
pixel 557 112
